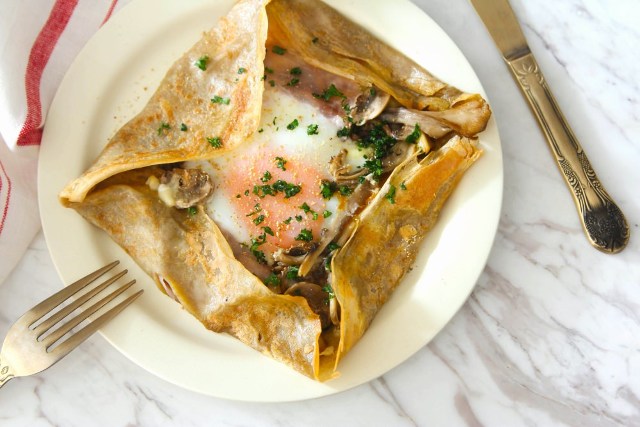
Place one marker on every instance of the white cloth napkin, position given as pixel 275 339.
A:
pixel 38 41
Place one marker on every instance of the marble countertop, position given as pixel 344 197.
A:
pixel 550 335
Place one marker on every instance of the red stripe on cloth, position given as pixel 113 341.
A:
pixel 109 12
pixel 31 132
pixel 7 200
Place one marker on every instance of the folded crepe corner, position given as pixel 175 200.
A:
pixel 187 254
pixel 186 95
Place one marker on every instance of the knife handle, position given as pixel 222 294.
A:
pixel 602 220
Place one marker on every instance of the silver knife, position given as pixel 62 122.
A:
pixel 602 220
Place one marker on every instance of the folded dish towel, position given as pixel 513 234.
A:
pixel 38 41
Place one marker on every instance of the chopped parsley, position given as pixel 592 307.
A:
pixel 192 210
pixel 266 177
pixel 330 294
pixel 305 235
pixel 183 127
pixel 268 70
pixel 163 128
pixel 307 209
pixel 278 50
pixel 345 190
pixel 402 186
pixel 327 213
pixel 272 280
pixel 280 186
pixel 288 220
pixel 330 92
pixel 259 219
pixel 272 83
pixel 202 62
pixel 314 40
pixel 260 130
pixel 294 124
pixel 413 136
pixel 288 189
pixel 255 210
pixel 327 188
pixel 242 70
pixel 381 143
pixel 268 230
pixel 312 129
pixel 292 272
pixel 391 194
pixel 299 218
pixel 263 190
pixel 345 131
pixel 220 100
pixel 333 246
pixel 280 163
pixel 293 82
pixel 215 142
pixel 255 244
pixel 295 71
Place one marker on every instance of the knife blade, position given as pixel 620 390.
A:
pixel 602 220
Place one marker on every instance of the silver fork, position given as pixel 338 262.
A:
pixel 27 350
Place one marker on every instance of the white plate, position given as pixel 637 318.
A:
pixel 113 77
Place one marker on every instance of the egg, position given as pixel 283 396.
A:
pixel 269 189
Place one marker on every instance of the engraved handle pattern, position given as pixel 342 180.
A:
pixel 6 373
pixel 602 220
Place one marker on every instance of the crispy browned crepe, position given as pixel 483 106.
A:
pixel 187 252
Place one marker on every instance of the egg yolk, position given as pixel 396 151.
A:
pixel 278 196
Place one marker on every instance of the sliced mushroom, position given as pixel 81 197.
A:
pixel 410 118
pixel 294 255
pixel 369 105
pixel 341 171
pixel 184 188
pixel 317 299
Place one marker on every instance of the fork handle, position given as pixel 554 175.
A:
pixel 602 220
pixel 6 373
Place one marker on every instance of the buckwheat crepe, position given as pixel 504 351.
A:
pixel 184 250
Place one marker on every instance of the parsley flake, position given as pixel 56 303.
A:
pixel 278 50
pixel 293 82
pixel 294 124
pixel 183 127
pixel 272 280
pixel 220 100
pixel 242 70
pixel 413 136
pixel 295 71
pixel 312 129
pixel 391 194
pixel 305 235
pixel 163 128
pixel 280 163
pixel 330 92
pixel 202 62
pixel 266 177
pixel 215 142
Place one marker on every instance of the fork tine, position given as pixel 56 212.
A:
pixel 41 309
pixel 72 323
pixel 79 337
pixel 58 316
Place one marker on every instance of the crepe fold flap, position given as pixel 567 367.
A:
pixel 185 252
pixel 384 246
pixel 214 102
